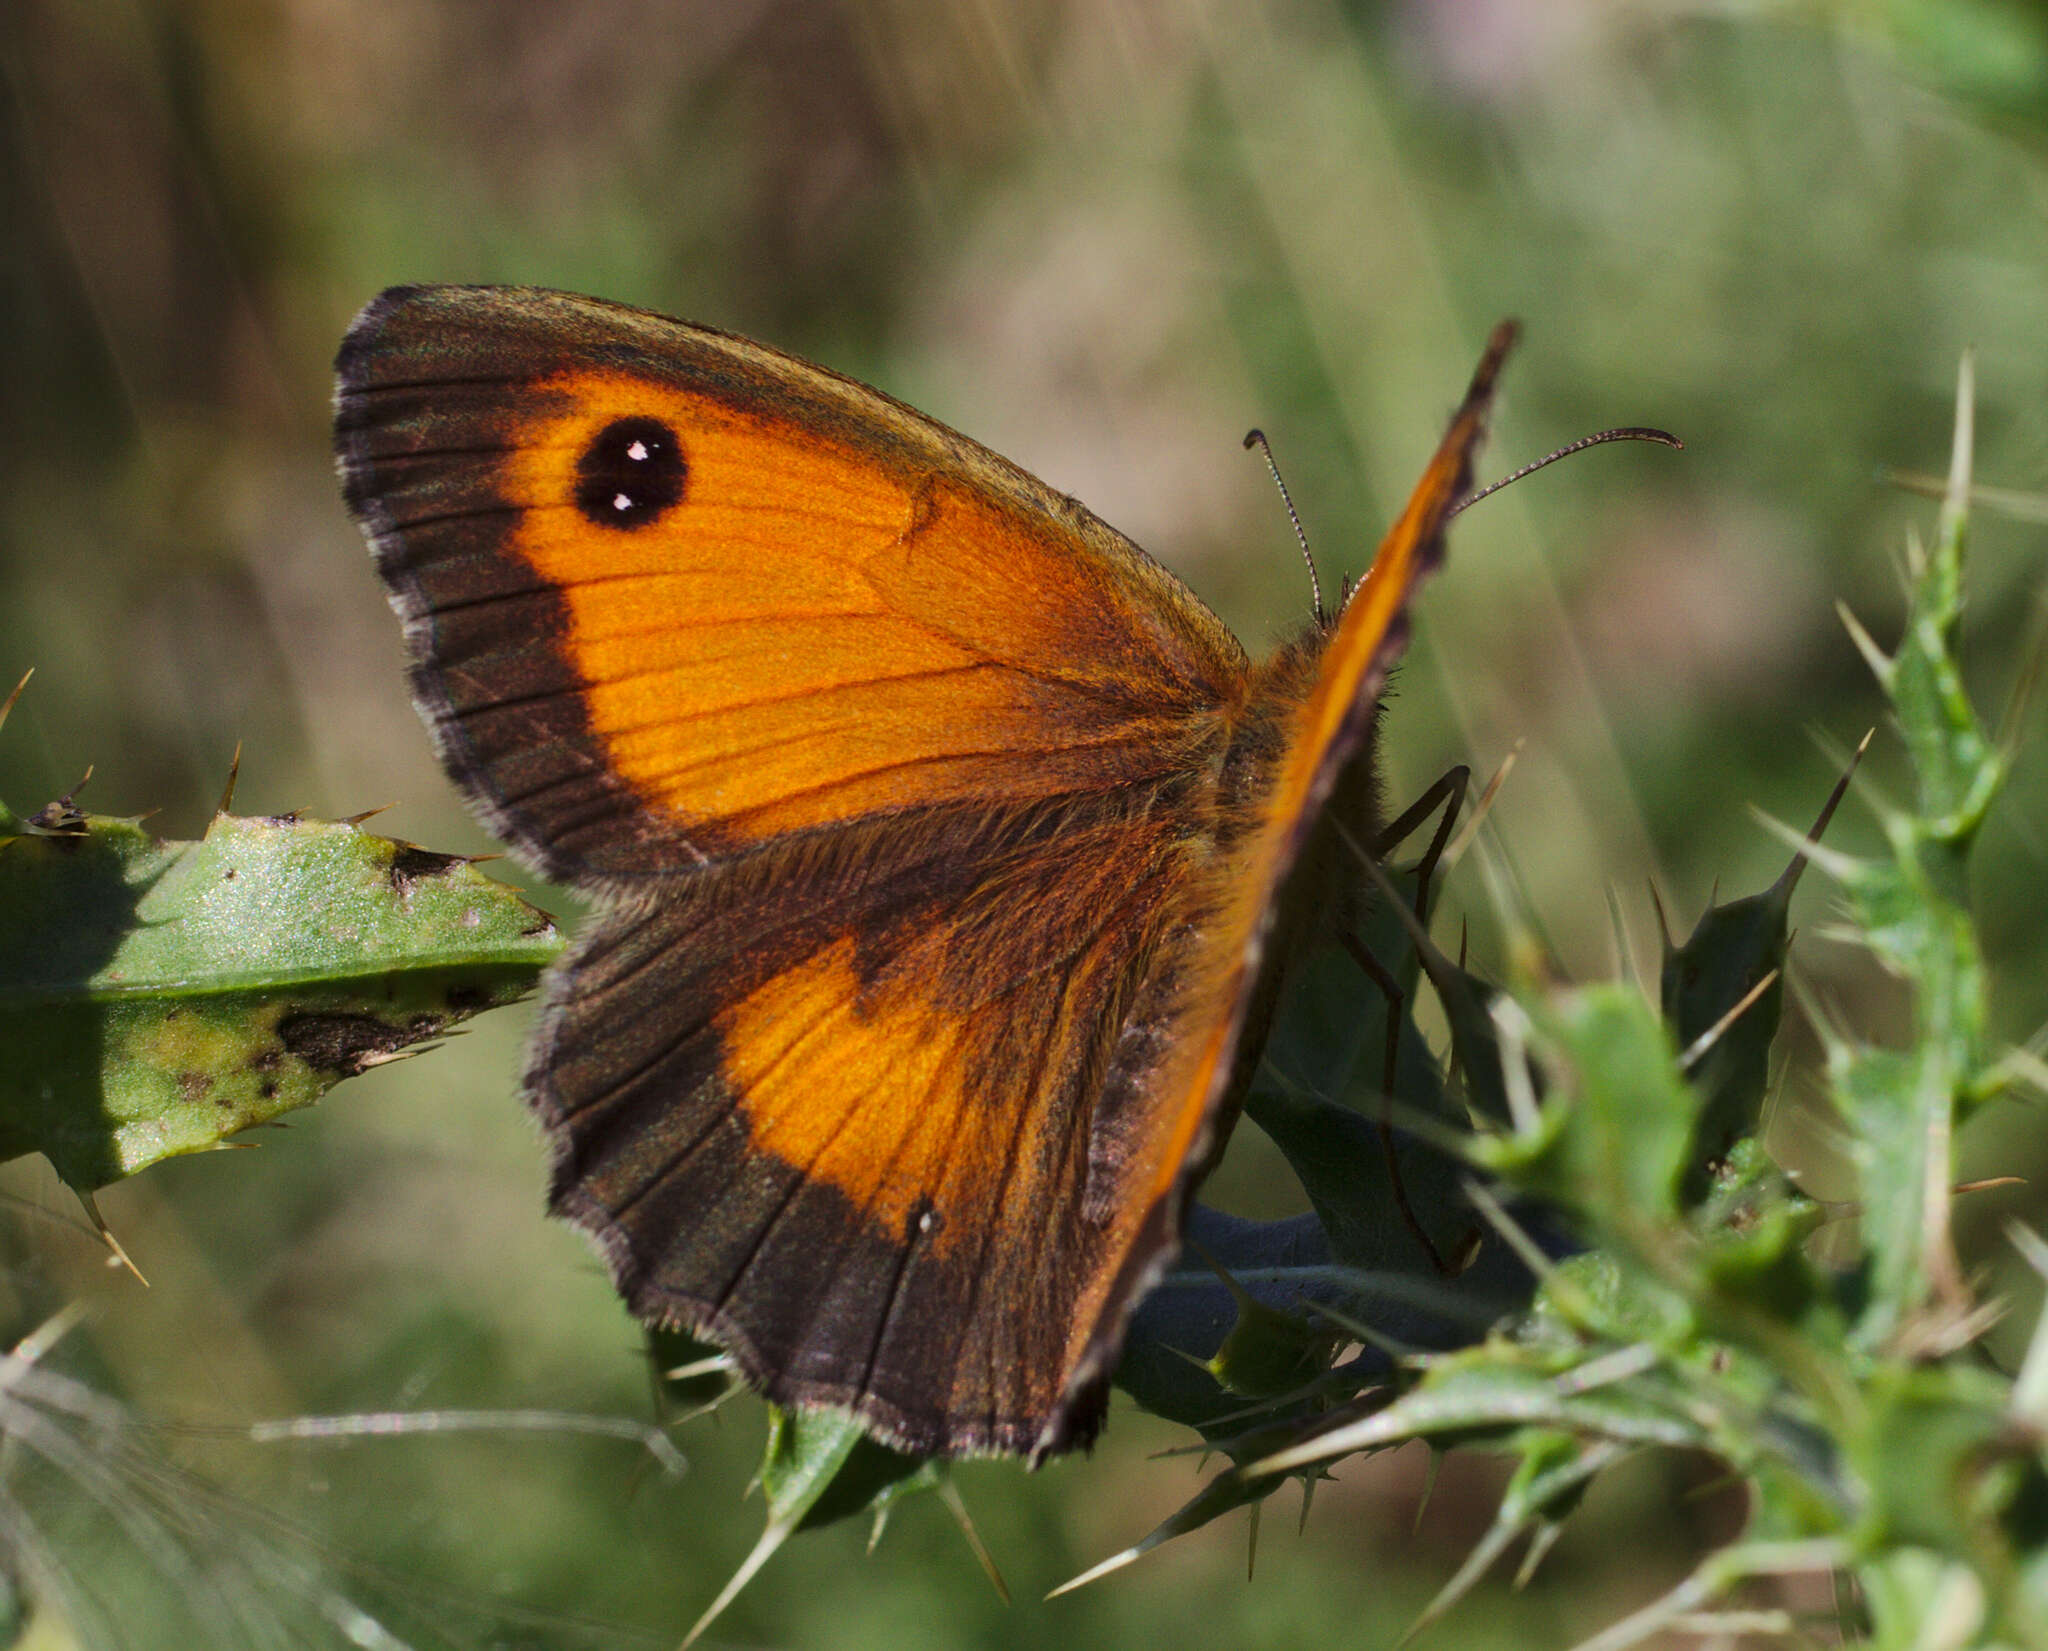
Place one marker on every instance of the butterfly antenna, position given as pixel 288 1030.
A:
pixel 1632 432
pixel 1257 438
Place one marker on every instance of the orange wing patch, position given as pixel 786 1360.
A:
pixel 805 636
pixel 867 1096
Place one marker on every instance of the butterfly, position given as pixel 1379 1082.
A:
pixel 947 849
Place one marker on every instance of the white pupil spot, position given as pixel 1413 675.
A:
pixel 637 452
pixel 924 1222
pixel 622 501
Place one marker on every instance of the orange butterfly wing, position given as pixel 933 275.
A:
pixel 928 973
pixel 801 603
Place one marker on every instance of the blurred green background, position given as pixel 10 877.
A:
pixel 1103 238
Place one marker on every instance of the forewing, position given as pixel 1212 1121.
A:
pixel 672 596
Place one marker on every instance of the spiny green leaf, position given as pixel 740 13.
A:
pixel 1957 769
pixel 1180 1325
pixel 1223 1494
pixel 1615 1131
pixel 1903 1106
pixel 820 1467
pixel 1596 1292
pixel 156 997
pixel 1346 1164
pixel 1549 1481
pixel 1757 1257
pixel 1387 1198
pixel 1723 994
pixel 1268 1352
pixel 1732 952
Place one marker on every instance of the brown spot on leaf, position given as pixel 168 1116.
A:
pixel 61 818
pixel 346 1044
pixel 193 1086
pixel 412 865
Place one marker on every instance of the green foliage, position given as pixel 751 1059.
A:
pixel 158 997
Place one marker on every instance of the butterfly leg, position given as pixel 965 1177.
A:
pixel 1446 792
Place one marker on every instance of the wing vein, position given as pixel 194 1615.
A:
pixel 930 758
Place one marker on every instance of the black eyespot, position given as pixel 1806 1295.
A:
pixel 632 471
